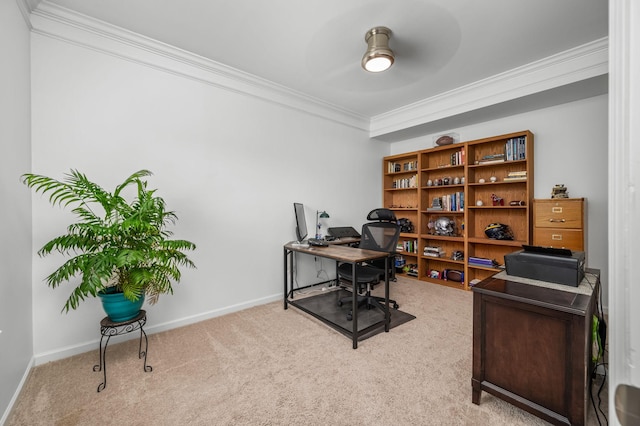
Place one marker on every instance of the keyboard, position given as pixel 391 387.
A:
pixel 343 232
pixel 317 243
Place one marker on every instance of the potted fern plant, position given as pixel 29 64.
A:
pixel 119 249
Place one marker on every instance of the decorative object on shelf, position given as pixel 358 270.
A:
pixel 496 200
pixel 429 182
pixel 128 247
pixel 444 226
pixel 559 191
pixel 457 255
pixel 320 215
pixel 405 225
pixel 453 275
pixel 446 139
pixel 498 231
pixel 481 180
pixel 493 179
pixel 378 57
pixel 517 203
pixel 456 180
pixel 479 203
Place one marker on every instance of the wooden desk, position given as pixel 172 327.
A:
pixel 341 254
pixel 344 241
pixel 532 346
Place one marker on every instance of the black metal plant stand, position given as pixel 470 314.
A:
pixel 109 328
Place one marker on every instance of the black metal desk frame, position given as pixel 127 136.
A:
pixel 341 254
pixel 109 328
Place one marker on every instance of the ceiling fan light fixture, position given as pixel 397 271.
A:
pixel 378 56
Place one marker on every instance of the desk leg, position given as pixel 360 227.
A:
pixel 286 286
pixel 354 305
pixel 387 312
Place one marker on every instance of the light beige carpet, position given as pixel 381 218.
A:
pixel 268 366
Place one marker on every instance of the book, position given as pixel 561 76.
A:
pixel 498 160
pixel 516 149
pixel 480 261
pixel 493 156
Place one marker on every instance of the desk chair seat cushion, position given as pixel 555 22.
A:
pixel 366 274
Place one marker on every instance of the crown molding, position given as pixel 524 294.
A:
pixel 571 66
pixel 25 10
pixel 63 24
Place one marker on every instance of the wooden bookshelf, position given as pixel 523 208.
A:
pixel 458 176
pixel 400 194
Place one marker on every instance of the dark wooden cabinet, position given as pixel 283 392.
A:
pixel 532 346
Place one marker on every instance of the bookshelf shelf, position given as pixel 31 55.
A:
pixel 506 159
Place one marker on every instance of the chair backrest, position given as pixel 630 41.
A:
pixel 382 215
pixel 380 236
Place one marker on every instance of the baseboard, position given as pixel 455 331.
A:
pixel 14 398
pixel 92 345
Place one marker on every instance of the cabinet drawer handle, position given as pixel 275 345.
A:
pixel 557 220
pixel 556 237
pixel 556 209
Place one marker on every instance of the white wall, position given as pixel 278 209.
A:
pixel 16 334
pixel 230 165
pixel 570 149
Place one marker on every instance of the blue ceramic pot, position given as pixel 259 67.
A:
pixel 117 307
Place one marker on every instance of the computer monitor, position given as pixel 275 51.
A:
pixel 301 223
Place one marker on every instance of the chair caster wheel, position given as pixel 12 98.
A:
pixel 349 317
pixel 395 306
pixel 339 302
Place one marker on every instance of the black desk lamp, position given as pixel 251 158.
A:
pixel 320 215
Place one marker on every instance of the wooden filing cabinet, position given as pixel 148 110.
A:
pixel 560 223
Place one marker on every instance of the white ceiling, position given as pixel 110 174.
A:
pixel 315 47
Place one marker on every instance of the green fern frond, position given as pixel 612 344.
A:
pixel 122 242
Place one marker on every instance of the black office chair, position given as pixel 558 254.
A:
pixel 380 235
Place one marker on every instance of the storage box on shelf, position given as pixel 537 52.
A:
pixel 400 194
pixel 497 171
